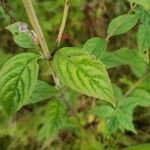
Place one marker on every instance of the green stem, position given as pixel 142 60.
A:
pixel 36 27
pixel 63 23
pixel 35 24
pixel 136 84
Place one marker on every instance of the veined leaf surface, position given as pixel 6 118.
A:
pixel 122 24
pixel 84 73
pixel 54 119
pixel 42 92
pixel 97 46
pixel 18 78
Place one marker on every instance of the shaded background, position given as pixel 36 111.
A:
pixel 87 18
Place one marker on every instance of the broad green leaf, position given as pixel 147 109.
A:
pixel 125 112
pixel 22 38
pixel 124 118
pixel 96 46
pixel 126 56
pixel 84 73
pixel 14 28
pixel 144 33
pixel 54 119
pixel 144 16
pixel 143 39
pixel 139 97
pixel 121 118
pixel 144 3
pixel 112 124
pixel 139 147
pixel 122 24
pixel 129 103
pixel 103 111
pixel 18 78
pixel 143 96
pixel 42 92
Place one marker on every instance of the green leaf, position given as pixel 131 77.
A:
pixel 83 73
pixel 112 124
pixel 54 119
pixel 97 46
pixel 124 118
pixel 126 56
pixel 139 97
pixel 144 16
pixel 143 96
pixel 121 118
pixel 24 40
pixel 18 78
pixel 143 39
pixel 125 112
pixel 42 92
pixel 138 147
pixel 14 28
pixel 21 38
pixel 144 3
pixel 122 24
pixel 144 34
pixel 103 111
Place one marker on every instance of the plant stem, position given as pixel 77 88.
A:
pixel 136 84
pixel 35 24
pixel 36 27
pixel 63 23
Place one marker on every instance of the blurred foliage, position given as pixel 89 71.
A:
pixel 87 18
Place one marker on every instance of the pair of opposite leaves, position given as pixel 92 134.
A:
pixel 75 68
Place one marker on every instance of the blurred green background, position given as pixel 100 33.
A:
pixel 87 18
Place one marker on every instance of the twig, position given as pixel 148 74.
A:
pixel 135 85
pixel 36 27
pixel 63 23
pixel 35 24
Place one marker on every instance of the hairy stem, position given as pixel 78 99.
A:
pixel 35 24
pixel 36 27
